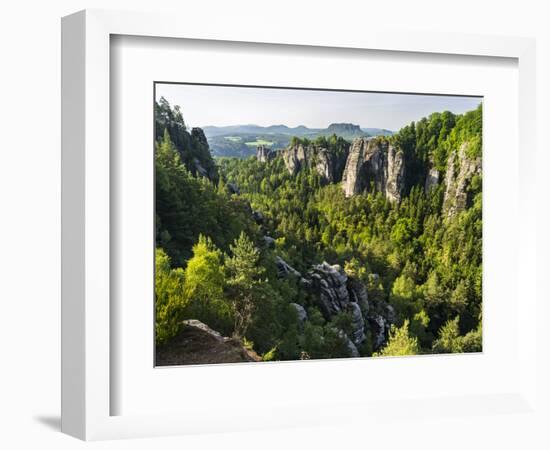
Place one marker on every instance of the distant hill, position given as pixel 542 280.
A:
pixel 345 130
pixel 377 131
pixel 300 130
pixel 241 140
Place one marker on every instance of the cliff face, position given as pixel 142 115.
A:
pixel 264 154
pixel 328 164
pixel 378 163
pixel 333 292
pixel 375 161
pixel 192 146
pixel 330 289
pixel 460 171
pixel 432 179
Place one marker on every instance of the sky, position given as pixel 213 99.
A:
pixel 228 105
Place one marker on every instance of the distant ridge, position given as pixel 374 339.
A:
pixel 300 130
pixel 241 140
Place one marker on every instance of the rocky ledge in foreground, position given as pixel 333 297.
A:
pixel 199 344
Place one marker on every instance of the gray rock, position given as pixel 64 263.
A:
pixel 284 269
pixel 328 164
pixel 301 312
pixel 258 217
pixel 199 168
pixel 269 241
pixel 358 323
pixel 379 330
pixel 233 188
pixel 353 352
pixel 333 292
pixel 328 286
pixel 358 294
pixel 374 161
pixel 264 154
pixel 193 323
pixel 199 136
pixel 432 179
pixel 460 170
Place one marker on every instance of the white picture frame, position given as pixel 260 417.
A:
pixel 87 386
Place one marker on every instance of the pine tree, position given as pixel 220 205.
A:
pixel 244 282
pixel 401 343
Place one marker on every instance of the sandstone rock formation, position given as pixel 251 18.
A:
pixel 264 154
pixel 432 179
pixel 301 312
pixel 333 292
pixel 353 352
pixel 374 161
pixel 269 241
pixel 328 164
pixel 460 170
pixel 199 344
pixel 203 166
pixel 284 269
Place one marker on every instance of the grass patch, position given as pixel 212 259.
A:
pixel 259 142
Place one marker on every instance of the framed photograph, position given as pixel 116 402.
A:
pixel 331 212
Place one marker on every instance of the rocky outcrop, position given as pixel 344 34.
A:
pixel 329 164
pixel 197 343
pixel 333 292
pixel 258 217
pixel 264 154
pixel 329 284
pixel 284 269
pixel 357 322
pixel 460 170
pixel 269 242
pixel 432 179
pixel 358 294
pixel 203 165
pixel 300 312
pixel 233 189
pixel 376 162
pixel 352 348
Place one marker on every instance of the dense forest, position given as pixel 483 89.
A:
pixel 327 248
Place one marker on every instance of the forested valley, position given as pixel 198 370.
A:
pixel 328 248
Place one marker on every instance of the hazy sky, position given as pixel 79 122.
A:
pixel 222 105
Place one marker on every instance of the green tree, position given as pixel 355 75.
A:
pixel 449 339
pixel 400 343
pixel 243 282
pixel 169 297
pixel 403 297
pixel 204 287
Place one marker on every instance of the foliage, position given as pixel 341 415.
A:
pixel 450 340
pixel 244 282
pixel 400 343
pixel 204 287
pixel 169 297
pixel 215 267
pixel 187 206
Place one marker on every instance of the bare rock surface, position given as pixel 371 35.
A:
pixel 328 164
pixel 373 161
pixel 284 269
pixel 333 292
pixel 197 343
pixel 264 154
pixel 460 170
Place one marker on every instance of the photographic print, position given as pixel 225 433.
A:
pixel 301 224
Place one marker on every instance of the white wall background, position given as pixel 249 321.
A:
pixel 30 200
